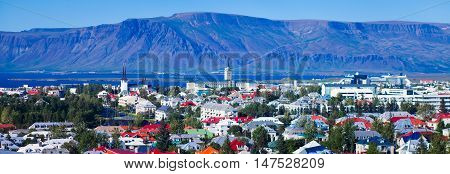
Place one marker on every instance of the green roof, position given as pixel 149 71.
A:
pixel 200 132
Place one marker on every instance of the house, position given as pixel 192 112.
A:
pixel 364 135
pixel 162 113
pixel 102 95
pixel 200 132
pixel 171 102
pixel 312 147
pixel 145 107
pixel 109 130
pixel 48 125
pixel 7 127
pixel 383 146
pixel 217 110
pixel 444 117
pixel 410 143
pixel 128 101
pixel 190 146
pixel 239 145
pixel 223 126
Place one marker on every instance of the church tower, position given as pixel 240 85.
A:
pixel 228 74
pixel 124 81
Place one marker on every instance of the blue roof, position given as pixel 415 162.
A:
pixel 314 150
pixel 414 136
pixel 164 108
pixel 377 140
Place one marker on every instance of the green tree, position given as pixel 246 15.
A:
pixel 335 140
pixel 310 131
pixel 442 108
pixel 281 145
pixel 163 137
pixel 72 147
pixel 422 149
pixel 425 111
pixel 235 130
pixel 438 144
pixel 372 149
pixel 58 132
pixel 88 139
pixel 115 143
pixel 226 149
pixel 349 136
pixel 440 127
pixel 260 137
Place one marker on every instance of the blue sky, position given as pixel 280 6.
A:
pixel 18 15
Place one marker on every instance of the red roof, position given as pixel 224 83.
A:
pixel 440 116
pixel 235 144
pixel 152 128
pixel 243 119
pixel 187 103
pixel 367 123
pixel 211 120
pixel 112 96
pixel 34 92
pixel 224 98
pixel 129 134
pixel 134 93
pixel 7 126
pixel 319 117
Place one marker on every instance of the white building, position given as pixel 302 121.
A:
pixel 217 110
pixel 354 91
pixel 145 107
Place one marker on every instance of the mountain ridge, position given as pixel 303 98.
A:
pixel 317 45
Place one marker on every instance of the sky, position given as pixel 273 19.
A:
pixel 19 15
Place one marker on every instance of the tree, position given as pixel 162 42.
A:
pixel 138 120
pixel 425 111
pixel 88 139
pixel 442 108
pixel 226 149
pixel 235 130
pixel 72 147
pixel 422 149
pixel 163 137
pixel 260 137
pixel 372 149
pixel 310 131
pixel 115 143
pixel 335 140
pixel 58 132
pixel 349 136
pixel 438 144
pixel 440 127
pixel 281 145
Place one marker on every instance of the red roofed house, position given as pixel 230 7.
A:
pixel 7 127
pixel 238 145
pixel 243 119
pixel 187 103
pixel 445 117
pixel 34 91
pixel 319 117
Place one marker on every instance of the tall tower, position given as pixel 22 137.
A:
pixel 228 72
pixel 124 81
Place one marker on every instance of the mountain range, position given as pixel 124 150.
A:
pixel 207 42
